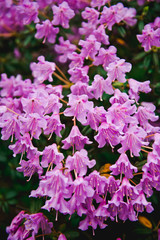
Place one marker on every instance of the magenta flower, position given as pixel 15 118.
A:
pixel 51 155
pixel 91 15
pixel 126 189
pixel 79 162
pixel 34 124
pixel 62 14
pixel 81 191
pixel 62 237
pixel 133 140
pixel 156 144
pixel 99 86
pixel 95 116
pixel 54 125
pixel 65 48
pixel 107 133
pixel 117 69
pixel 16 222
pixel 42 70
pixel 129 16
pixel 149 37
pixel 112 15
pixel 37 221
pixel 27 12
pixel 99 3
pixel 30 167
pixel 123 166
pixel 140 202
pixel 75 139
pixel 90 47
pixel 105 57
pixel 87 28
pixel 47 31
pixel 79 106
pixel 76 60
pixel 136 87
pixel 119 97
pixel 121 114
pixel 81 88
pixel 79 74
pixel 100 35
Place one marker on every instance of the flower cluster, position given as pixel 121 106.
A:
pixel 29 110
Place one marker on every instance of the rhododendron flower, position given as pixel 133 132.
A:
pixel 62 14
pixel 42 70
pixel 76 139
pixel 47 31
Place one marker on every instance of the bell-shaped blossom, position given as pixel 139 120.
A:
pixel 128 190
pixel 62 237
pixel 91 15
pixel 119 97
pixel 156 144
pixel 81 191
pixel 145 114
pixel 53 105
pixel 16 222
pixel 107 133
pixel 26 12
pixel 79 162
pixel 123 166
pixel 79 74
pixel 76 139
pixel 87 29
pixel 129 16
pixel 51 155
pixel 100 35
pixel 90 47
pixel 121 114
pixel 92 219
pixel 97 182
pixel 54 182
pixel 105 57
pixel 99 86
pixel 76 60
pixel 62 14
pixel 95 116
pixel 54 125
pixel 133 140
pixel 34 124
pixel 81 88
pixel 117 70
pixel 46 31
pixel 112 15
pixel 79 106
pixel 146 184
pixel 112 185
pixel 42 70
pixel 114 204
pixel 31 166
pixel 140 203
pixel 23 144
pixel 152 166
pixel 99 3
pixel 149 37
pixel 136 87
pixel 11 126
pixel 37 221
pixel 65 48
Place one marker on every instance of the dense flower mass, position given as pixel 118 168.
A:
pixel 57 119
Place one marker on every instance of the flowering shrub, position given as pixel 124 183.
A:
pixel 81 104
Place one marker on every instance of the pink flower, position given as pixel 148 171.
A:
pixel 42 70
pixel 91 15
pixel 76 139
pixel 65 48
pixel 149 37
pixel 117 70
pixel 62 14
pixel 47 31
pixel 90 47
pixel 79 162
pixel 133 140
